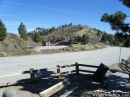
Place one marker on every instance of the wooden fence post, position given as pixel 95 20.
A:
pixel 58 70
pixel 121 62
pixel 77 68
pixel 32 76
pixel 127 63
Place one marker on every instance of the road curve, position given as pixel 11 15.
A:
pixel 108 56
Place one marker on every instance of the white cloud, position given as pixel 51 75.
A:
pixel 9 15
pixel 50 8
pixel 10 23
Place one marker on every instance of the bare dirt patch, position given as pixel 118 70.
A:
pixel 85 86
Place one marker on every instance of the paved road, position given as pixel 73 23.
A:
pixel 108 56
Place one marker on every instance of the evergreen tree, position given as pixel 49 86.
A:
pixel 2 31
pixel 127 42
pixel 70 41
pixel 118 23
pixel 116 40
pixel 126 2
pixel 85 39
pixel 22 31
pixel 107 37
pixel 70 24
pixel 36 37
pixel 104 37
pixel 110 39
pixel 78 39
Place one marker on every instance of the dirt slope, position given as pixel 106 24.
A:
pixel 14 45
pixel 93 37
pixel 32 43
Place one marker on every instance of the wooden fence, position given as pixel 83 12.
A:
pixel 125 65
pixel 33 71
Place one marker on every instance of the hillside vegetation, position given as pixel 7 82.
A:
pixel 14 45
pixel 78 47
pixel 63 35
pixel 73 32
pixel 118 22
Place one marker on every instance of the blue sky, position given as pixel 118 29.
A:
pixel 48 13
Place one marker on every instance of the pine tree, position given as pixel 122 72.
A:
pixel 36 37
pixel 70 41
pixel 2 31
pixel 104 37
pixel 118 22
pixel 22 31
pixel 85 39
pixel 79 39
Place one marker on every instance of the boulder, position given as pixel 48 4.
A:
pixel 10 92
pixel 36 51
pixel 3 54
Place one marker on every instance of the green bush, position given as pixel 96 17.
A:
pixel 36 37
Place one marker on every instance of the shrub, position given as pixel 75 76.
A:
pixel 36 37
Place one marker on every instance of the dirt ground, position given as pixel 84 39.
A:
pixel 84 83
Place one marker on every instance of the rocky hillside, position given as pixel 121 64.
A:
pixel 75 30
pixel 67 31
pixel 14 45
pixel 32 43
pixel 93 35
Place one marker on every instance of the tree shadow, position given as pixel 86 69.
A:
pixel 82 81
pixel 85 85
pixel 118 83
pixel 43 73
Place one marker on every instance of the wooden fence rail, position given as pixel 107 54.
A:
pixel 88 65
pixel 125 65
pixel 64 66
pixel 126 61
pixel 87 71
pixel 33 71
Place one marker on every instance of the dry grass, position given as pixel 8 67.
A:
pixel 78 47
